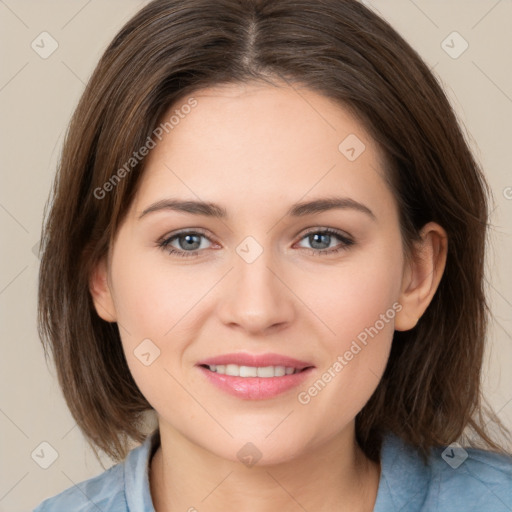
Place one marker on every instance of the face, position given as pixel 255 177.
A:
pixel 320 285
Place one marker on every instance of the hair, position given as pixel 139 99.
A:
pixel 430 392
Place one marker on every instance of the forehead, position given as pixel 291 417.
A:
pixel 247 143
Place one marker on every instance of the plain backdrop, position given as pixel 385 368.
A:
pixel 38 93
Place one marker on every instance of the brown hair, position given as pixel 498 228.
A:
pixel 430 391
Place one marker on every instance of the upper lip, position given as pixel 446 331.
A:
pixel 258 360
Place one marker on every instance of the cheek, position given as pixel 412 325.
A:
pixel 357 304
pixel 353 295
pixel 157 304
pixel 151 295
pixel 149 303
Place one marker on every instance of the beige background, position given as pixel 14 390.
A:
pixel 37 97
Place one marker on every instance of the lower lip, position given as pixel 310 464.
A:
pixel 255 388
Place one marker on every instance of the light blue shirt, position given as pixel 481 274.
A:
pixel 480 482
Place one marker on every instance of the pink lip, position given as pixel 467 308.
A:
pixel 260 360
pixel 256 388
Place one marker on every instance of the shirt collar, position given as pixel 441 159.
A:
pixel 136 474
pixel 399 462
pixel 404 478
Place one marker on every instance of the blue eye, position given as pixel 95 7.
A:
pixel 324 237
pixel 192 240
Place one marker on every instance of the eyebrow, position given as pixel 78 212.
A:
pixel 297 210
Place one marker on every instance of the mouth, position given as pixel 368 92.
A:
pixel 255 377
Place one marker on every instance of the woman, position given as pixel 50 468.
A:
pixel 284 374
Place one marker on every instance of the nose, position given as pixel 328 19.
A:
pixel 256 298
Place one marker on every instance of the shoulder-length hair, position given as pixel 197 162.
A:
pixel 430 391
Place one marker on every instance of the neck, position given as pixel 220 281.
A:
pixel 335 475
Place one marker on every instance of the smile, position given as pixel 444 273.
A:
pixel 273 381
pixel 252 371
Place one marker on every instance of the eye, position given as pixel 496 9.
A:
pixel 189 242
pixel 321 237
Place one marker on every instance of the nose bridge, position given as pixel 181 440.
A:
pixel 258 299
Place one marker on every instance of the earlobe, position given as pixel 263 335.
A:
pixel 101 293
pixel 422 275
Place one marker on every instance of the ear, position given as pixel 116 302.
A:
pixel 101 292
pixel 422 275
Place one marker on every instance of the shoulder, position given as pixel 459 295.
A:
pixel 121 488
pixel 475 479
pixel 453 479
pixel 102 492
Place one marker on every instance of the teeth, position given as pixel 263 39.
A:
pixel 252 371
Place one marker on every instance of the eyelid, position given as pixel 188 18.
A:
pixel 323 229
pixel 186 231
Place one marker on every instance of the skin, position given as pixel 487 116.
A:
pixel 255 150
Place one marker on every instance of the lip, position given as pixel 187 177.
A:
pixel 256 388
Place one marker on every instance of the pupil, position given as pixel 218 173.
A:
pixel 189 238
pixel 318 235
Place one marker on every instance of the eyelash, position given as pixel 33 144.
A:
pixel 346 243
